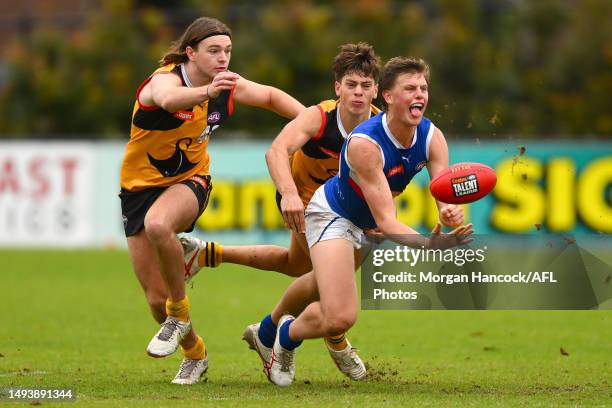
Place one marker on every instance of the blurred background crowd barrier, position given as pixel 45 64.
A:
pixel 65 193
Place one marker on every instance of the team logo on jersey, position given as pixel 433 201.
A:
pixel 399 169
pixel 176 164
pixel 465 185
pixel 214 117
pixel 420 165
pixel 184 115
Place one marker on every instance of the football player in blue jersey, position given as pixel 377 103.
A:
pixel 377 161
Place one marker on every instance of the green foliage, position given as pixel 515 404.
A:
pixel 74 84
pixel 499 69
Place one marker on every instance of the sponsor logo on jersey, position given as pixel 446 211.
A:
pixel 214 117
pixel 399 169
pixel 465 185
pixel 184 115
pixel 420 165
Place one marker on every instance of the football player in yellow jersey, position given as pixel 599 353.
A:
pixel 165 180
pixel 313 141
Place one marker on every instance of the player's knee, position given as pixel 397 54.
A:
pixel 340 323
pixel 156 229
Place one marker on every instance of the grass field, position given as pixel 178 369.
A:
pixel 78 319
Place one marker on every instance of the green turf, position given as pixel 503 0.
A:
pixel 78 319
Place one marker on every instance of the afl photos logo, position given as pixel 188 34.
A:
pixel 465 185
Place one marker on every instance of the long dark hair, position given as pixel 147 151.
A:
pixel 200 29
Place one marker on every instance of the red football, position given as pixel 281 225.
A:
pixel 463 183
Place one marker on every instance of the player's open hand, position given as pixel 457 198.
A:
pixel 458 236
pixel 375 235
pixel 292 209
pixel 222 81
pixel 451 215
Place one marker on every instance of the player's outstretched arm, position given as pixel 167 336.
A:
pixel 450 215
pixel 165 90
pixel 267 97
pixel 366 160
pixel 293 136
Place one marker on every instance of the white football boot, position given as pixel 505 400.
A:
pixel 251 336
pixel 191 371
pixel 168 338
pixel 282 367
pixel 348 362
pixel 191 249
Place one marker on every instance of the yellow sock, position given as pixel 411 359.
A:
pixel 211 256
pixel 179 309
pixel 197 351
pixel 338 342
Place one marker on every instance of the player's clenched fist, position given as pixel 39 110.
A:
pixel 221 82
pixel 292 210
pixel 451 215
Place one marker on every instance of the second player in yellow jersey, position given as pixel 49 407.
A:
pixel 317 160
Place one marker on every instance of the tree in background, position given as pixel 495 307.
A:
pixel 82 83
pixel 499 69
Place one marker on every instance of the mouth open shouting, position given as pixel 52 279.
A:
pixel 416 109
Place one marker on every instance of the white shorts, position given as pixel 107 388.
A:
pixel 322 223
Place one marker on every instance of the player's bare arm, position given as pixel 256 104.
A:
pixel 450 215
pixel 366 160
pixel 166 91
pixel 293 136
pixel 267 97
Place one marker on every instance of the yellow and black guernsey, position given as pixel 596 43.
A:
pixel 169 147
pixel 317 160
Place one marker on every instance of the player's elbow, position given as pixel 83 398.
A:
pixel 167 104
pixel 270 155
pixel 274 153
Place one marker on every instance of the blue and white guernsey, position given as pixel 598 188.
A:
pixel 400 165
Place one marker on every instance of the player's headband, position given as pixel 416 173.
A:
pixel 198 39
